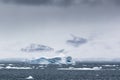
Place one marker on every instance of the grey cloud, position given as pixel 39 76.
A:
pixel 39 2
pixel 60 51
pixel 116 2
pixel 61 2
pixel 92 2
pixel 34 2
pixel 37 48
pixel 76 41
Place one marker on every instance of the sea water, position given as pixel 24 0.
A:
pixel 81 71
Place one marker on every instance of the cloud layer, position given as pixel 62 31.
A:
pixel 62 2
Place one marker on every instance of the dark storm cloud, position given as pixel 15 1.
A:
pixel 76 41
pixel 61 2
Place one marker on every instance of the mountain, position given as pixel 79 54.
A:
pixel 55 60
pixel 37 48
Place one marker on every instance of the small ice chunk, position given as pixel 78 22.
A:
pixel 29 77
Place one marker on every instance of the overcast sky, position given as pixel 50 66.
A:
pixel 51 23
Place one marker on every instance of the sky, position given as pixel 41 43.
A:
pixel 52 22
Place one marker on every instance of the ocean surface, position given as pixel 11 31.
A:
pixel 80 71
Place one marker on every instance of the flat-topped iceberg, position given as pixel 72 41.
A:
pixel 55 60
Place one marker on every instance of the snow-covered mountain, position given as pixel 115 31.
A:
pixel 37 48
pixel 55 60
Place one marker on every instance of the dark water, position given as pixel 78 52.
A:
pixel 109 71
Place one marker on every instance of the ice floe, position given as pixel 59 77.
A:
pixel 9 67
pixel 30 77
pixel 2 64
pixel 110 65
pixel 72 68
pixel 1 67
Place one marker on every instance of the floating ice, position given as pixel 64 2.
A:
pixel 1 67
pixel 2 64
pixel 110 65
pixel 9 67
pixel 29 77
pixel 10 64
pixel 72 68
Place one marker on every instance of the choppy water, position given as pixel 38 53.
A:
pixel 82 71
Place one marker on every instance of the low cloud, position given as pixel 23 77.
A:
pixel 37 48
pixel 76 41
pixel 60 51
